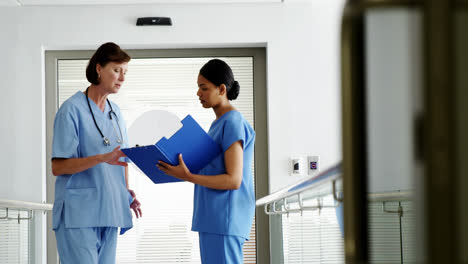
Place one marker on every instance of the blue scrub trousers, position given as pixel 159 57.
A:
pixel 220 249
pixel 94 245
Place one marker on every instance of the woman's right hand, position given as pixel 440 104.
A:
pixel 114 156
pixel 61 166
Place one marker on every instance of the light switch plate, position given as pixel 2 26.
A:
pixel 297 166
pixel 312 164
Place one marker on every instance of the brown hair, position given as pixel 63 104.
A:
pixel 107 52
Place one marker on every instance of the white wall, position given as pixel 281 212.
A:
pixel 302 40
pixel 394 74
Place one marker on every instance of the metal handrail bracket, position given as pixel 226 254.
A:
pixel 399 211
pixel 335 196
pixel 6 215
pixel 19 218
pixel 310 183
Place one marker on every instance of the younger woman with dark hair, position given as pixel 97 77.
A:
pixel 224 198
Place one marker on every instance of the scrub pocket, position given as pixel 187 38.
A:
pixel 81 194
pixel 81 207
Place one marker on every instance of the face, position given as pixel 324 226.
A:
pixel 209 94
pixel 112 76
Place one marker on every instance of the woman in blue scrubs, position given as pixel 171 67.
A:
pixel 224 198
pixel 92 199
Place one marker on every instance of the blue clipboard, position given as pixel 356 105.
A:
pixel 197 148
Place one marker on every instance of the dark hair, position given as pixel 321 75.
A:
pixel 107 52
pixel 218 72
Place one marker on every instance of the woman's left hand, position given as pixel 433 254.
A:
pixel 180 171
pixel 135 205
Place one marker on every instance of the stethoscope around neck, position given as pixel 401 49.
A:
pixel 105 140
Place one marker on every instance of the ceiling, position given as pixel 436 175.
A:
pixel 120 2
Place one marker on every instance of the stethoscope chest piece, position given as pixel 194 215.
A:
pixel 106 141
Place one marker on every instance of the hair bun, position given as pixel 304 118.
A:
pixel 234 91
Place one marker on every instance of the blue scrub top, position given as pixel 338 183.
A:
pixel 98 196
pixel 227 212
